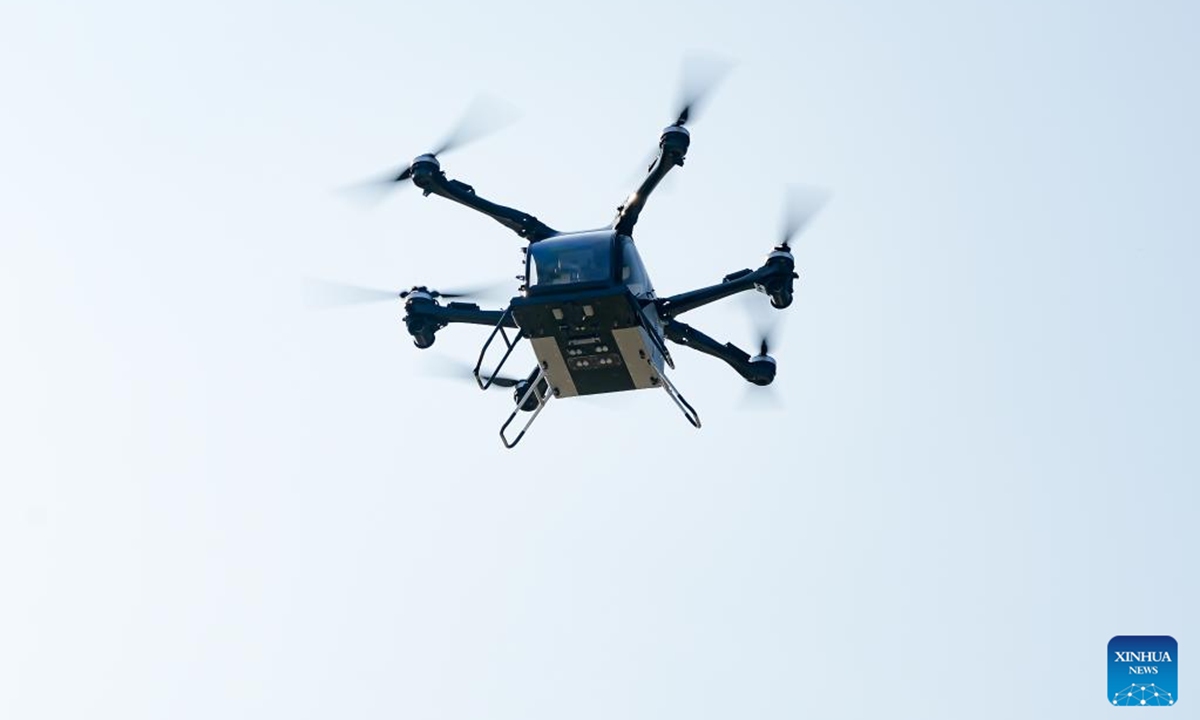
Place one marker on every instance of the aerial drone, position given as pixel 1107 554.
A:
pixel 586 304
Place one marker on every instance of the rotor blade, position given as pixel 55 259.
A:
pixel 800 205
pixel 492 291
pixel 322 294
pixel 504 382
pixel 497 292
pixel 451 369
pixel 702 72
pixel 370 192
pixel 766 327
pixel 764 319
pixel 484 116
pixel 761 398
pixel 379 186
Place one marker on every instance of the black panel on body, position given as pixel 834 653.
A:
pixel 581 324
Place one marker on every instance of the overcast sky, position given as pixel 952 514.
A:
pixel 218 503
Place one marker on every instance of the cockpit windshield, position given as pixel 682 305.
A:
pixel 571 259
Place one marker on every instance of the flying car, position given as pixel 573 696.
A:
pixel 586 305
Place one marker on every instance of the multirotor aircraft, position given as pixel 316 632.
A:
pixel 586 304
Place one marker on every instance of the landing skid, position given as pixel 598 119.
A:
pixel 689 412
pixel 539 389
pixel 509 345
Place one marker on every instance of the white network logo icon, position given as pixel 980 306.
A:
pixel 1143 695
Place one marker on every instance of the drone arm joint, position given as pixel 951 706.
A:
pixel 522 223
pixel 672 150
pixel 460 313
pixel 774 278
pixel 732 284
pixel 752 369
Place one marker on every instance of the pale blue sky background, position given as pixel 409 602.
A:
pixel 216 504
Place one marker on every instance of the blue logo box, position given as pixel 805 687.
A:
pixel 1143 671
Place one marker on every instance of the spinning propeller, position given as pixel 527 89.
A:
pixel 800 205
pixel 767 331
pixel 320 294
pixel 483 117
pixel 701 75
pixel 766 325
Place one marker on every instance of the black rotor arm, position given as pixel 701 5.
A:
pixel 774 277
pixel 759 370
pixel 424 316
pixel 672 150
pixel 463 313
pixel 427 174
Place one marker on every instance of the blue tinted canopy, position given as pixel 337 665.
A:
pixel 571 259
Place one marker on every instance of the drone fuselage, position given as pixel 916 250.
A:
pixel 589 316
pixel 587 305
